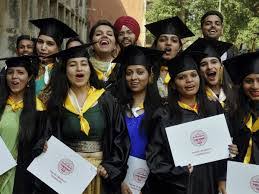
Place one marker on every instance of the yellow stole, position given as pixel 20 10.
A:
pixel 102 69
pixel 212 96
pixel 19 105
pixel 39 105
pixel 14 105
pixel 104 76
pixel 254 127
pixel 136 109
pixel 72 105
pixel 187 107
pixel 167 77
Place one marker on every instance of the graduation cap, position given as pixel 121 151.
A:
pixel 137 55
pixel 184 61
pixel 172 25
pixel 73 52
pixel 54 28
pixel 240 66
pixel 212 48
pixel 27 61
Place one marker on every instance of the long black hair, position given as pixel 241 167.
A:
pixel 59 86
pixel 151 102
pixel 173 98
pixel 245 105
pixel 28 115
pixel 230 91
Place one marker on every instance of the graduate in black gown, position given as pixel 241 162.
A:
pixel 169 34
pixel 244 71
pixel 138 97
pixel 187 102
pixel 20 112
pixel 49 41
pixel 218 83
pixel 87 119
pixel 104 52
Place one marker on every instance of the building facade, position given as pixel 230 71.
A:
pixel 78 14
pixel 112 9
pixel 15 16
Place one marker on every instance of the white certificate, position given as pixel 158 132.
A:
pixel 62 169
pixel 200 141
pixel 137 174
pixel 8 162
pixel 242 178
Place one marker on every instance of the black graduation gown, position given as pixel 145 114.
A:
pixel 116 145
pixel 241 137
pixel 232 51
pixel 164 176
pixel 24 182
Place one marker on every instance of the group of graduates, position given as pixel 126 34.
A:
pixel 110 99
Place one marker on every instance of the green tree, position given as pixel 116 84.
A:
pixel 240 16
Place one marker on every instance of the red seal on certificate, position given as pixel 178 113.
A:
pixel 199 138
pixel 140 175
pixel 65 166
pixel 254 183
